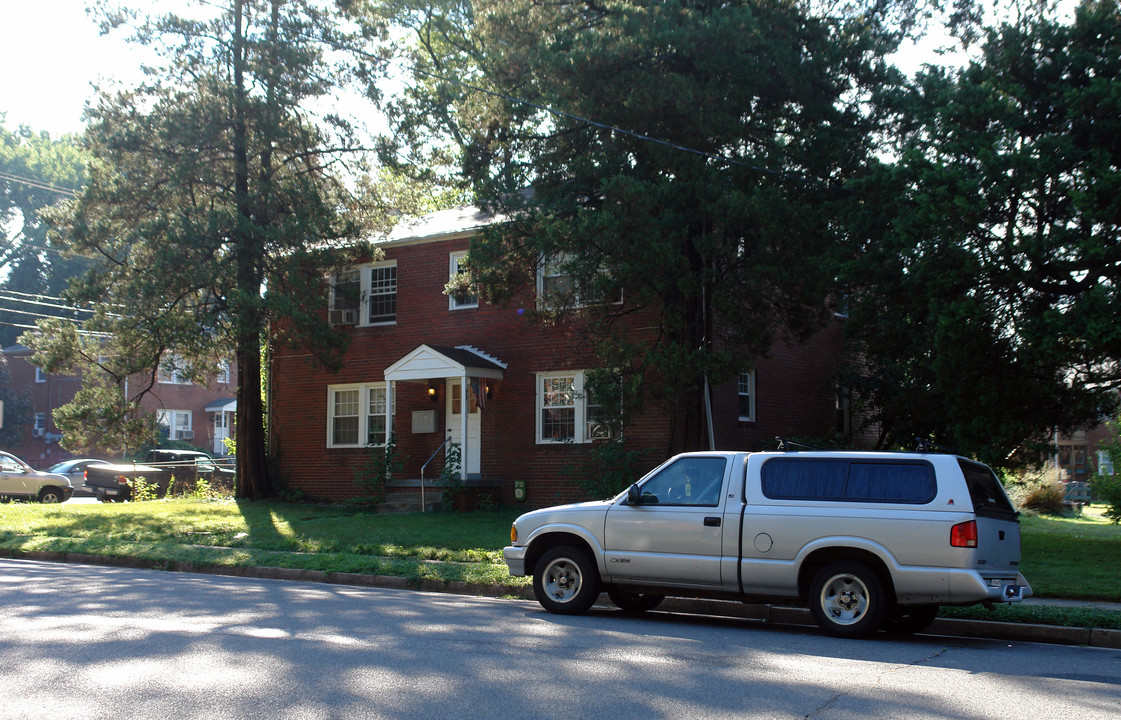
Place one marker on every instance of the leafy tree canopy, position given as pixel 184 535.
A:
pixel 216 204
pixel 36 171
pixel 984 294
pixel 682 156
pixel 17 408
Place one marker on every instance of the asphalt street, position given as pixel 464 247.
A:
pixel 81 641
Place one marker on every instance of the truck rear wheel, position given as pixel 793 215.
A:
pixel 565 581
pixel 847 599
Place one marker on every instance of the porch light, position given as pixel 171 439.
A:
pixel 432 393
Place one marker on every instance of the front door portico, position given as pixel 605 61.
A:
pixel 465 372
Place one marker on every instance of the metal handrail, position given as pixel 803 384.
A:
pixel 422 467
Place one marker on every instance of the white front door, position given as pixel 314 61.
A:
pixel 221 432
pixel 470 451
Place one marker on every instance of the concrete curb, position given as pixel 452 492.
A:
pixel 775 614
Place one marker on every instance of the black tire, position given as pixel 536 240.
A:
pixel 847 599
pixel 633 602
pixel 50 495
pixel 910 619
pixel 565 581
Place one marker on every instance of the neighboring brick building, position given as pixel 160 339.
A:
pixel 196 414
pixel 418 356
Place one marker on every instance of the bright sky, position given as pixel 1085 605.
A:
pixel 51 54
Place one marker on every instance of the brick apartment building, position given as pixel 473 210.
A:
pixel 193 413
pixel 418 358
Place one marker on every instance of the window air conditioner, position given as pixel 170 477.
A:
pixel 186 434
pixel 342 317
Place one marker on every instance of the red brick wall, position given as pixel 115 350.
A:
pixel 56 390
pixel 794 393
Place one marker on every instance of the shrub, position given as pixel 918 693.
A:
pixel 609 469
pixel 142 489
pixel 377 471
pixel 1107 488
pixel 1044 498
pixel 1039 490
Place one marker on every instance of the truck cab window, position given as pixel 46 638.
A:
pixel 689 481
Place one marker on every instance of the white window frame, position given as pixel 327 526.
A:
pixel 39 425
pixel 170 418
pixel 1105 463
pixel 368 294
pixel 582 422
pixel 367 409
pixel 546 268
pixel 365 292
pixel 352 276
pixel 455 267
pixel 746 379
pixel 223 374
pixel 40 376
pixel 170 372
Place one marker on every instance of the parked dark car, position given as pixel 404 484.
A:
pixel 164 469
pixel 75 469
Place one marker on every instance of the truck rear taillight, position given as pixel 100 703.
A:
pixel 122 480
pixel 964 535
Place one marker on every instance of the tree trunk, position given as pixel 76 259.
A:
pixel 252 466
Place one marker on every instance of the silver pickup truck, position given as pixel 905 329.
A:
pixel 868 540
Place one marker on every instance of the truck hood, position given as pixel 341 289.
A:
pixel 583 514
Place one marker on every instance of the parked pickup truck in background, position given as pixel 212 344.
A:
pixel 868 541
pixel 164 469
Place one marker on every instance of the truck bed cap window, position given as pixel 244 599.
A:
pixel 799 478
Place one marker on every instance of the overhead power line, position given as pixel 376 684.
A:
pixel 37 184
pixel 7 295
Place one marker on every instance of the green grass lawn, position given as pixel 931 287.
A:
pixel 1070 558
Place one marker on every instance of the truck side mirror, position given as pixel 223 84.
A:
pixel 634 497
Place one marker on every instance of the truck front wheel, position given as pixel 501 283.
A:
pixel 565 581
pixel 847 599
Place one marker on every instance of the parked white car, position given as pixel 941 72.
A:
pixel 20 481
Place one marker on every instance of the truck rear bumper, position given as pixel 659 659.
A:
pixel 974 587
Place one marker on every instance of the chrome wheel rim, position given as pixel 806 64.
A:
pixel 562 580
pixel 844 598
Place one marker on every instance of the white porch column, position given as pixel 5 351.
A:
pixel 390 385
pixel 464 416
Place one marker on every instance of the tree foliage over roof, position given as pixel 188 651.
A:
pixel 694 166
pixel 987 258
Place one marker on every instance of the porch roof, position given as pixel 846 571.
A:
pixel 224 405
pixel 428 362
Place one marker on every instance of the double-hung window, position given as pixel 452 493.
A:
pixel 745 392
pixel 365 295
pixel 456 269
pixel 567 412
pixel 558 288
pixel 356 415
pixel 177 422
pixel 172 371
pixel 382 303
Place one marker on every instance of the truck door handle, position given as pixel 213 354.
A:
pixel 712 522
